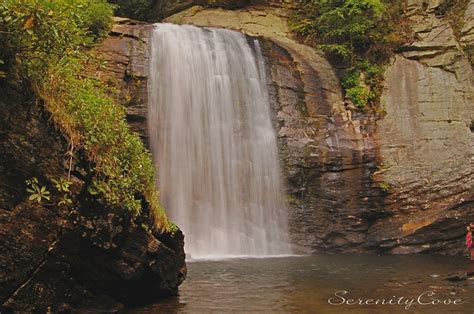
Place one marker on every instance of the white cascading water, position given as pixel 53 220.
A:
pixel 211 135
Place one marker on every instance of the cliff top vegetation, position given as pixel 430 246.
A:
pixel 46 49
pixel 358 35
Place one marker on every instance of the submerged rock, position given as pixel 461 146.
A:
pixel 460 276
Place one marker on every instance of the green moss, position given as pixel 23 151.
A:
pixel 292 200
pixel 45 46
pixel 173 227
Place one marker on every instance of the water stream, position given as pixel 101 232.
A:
pixel 212 137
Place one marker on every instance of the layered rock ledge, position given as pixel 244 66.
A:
pixel 394 181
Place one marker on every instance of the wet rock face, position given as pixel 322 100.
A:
pixel 324 158
pixel 356 181
pixel 28 148
pixel 125 56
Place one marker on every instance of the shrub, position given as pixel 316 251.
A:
pixel 349 29
pixel 359 95
pixel 136 9
pixel 360 34
pixel 45 45
pixel 363 83
pixel 96 15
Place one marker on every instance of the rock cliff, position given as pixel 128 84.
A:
pixel 398 180
pixel 467 32
pixel 425 140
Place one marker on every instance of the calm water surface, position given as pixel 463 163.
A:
pixel 305 284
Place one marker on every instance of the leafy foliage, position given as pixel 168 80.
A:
pixel 363 83
pixel 37 192
pixel 358 33
pixel 350 28
pixel 62 186
pixel 136 9
pixel 45 46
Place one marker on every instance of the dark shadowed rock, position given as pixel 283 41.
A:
pixel 61 259
pixel 80 274
pixel 327 154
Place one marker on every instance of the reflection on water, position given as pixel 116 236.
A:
pixel 305 284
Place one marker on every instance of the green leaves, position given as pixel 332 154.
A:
pixel 362 83
pixel 357 34
pixel 37 193
pixel 136 9
pixel 346 29
pixel 360 95
pixel 62 185
pixel 46 42
pixel 41 32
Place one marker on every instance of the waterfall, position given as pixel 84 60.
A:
pixel 212 138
